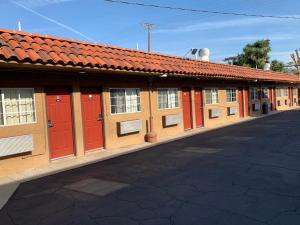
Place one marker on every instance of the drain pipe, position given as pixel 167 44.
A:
pixel 151 136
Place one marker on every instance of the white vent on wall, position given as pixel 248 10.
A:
pixel 16 145
pixel 131 126
pixel 232 110
pixel 256 106
pixel 214 113
pixel 171 120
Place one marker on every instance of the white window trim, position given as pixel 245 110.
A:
pixel 213 88
pixel 236 94
pixel 114 114
pixel 176 107
pixel 4 110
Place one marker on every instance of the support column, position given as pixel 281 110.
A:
pixel 151 136
pixel 77 120
pixel 193 108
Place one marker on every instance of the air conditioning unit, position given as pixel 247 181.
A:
pixel 214 113
pixel 232 110
pixel 131 126
pixel 16 145
pixel 171 120
pixel 279 103
pixel 256 106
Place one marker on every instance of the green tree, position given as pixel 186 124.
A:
pixel 254 55
pixel 277 66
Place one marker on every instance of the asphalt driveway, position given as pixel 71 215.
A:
pixel 241 175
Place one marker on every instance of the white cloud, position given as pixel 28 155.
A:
pixel 53 21
pixel 200 26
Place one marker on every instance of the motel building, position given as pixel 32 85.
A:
pixel 64 98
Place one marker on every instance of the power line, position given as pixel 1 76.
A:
pixel 201 10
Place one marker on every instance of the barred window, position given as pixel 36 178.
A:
pixel 17 106
pixel 278 92
pixel 125 100
pixel 286 92
pixel 253 94
pixel 231 95
pixel 167 98
pixel 211 96
pixel 265 93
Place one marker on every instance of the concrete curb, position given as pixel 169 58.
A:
pixel 9 184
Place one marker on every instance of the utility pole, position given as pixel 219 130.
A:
pixel 149 27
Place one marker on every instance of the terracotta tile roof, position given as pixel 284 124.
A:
pixel 23 47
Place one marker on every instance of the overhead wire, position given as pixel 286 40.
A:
pixel 201 10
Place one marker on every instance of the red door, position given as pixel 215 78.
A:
pixel 290 97
pixel 59 123
pixel 199 108
pixel 271 98
pixel 241 103
pixel 247 102
pixel 186 105
pixel 274 99
pixel 92 118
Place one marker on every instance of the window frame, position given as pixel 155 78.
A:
pixel 286 92
pixel 177 93
pixel 212 103
pixel 276 92
pixel 255 93
pixel 4 110
pixel 265 95
pixel 139 91
pixel 295 92
pixel 236 96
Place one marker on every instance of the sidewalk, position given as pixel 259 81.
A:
pixel 9 184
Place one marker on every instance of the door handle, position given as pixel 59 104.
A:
pixel 100 117
pixel 50 124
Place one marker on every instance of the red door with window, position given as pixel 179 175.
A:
pixel 186 105
pixel 241 102
pixel 92 118
pixel 247 108
pixel 59 123
pixel 199 107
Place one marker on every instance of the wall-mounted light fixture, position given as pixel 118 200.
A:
pixel 164 75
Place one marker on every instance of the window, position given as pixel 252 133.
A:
pixel 17 106
pixel 286 92
pixel 167 98
pixel 231 95
pixel 125 100
pixel 265 93
pixel 253 93
pixel 211 96
pixel 295 92
pixel 278 92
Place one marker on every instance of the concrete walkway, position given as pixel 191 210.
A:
pixel 9 183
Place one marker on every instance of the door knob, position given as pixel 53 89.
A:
pixel 50 124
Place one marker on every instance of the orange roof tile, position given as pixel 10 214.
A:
pixel 44 49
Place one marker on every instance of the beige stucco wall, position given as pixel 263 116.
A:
pixel 222 105
pixel 40 154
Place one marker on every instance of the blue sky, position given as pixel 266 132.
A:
pixel 175 31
